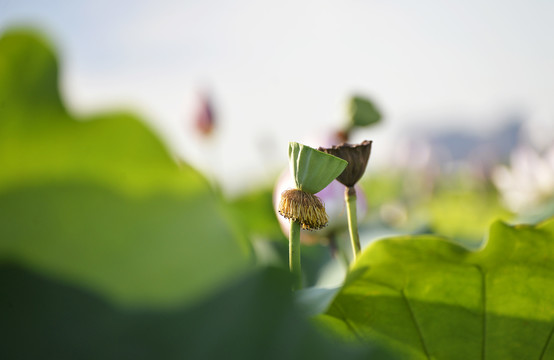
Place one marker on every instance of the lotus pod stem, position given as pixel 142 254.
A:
pixel 350 199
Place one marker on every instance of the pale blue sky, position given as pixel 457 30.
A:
pixel 282 70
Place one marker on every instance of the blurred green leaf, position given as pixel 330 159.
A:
pixel 382 187
pixel 464 215
pixel 256 213
pixel 40 141
pixel 362 112
pixel 431 298
pixel 98 200
pixel 254 319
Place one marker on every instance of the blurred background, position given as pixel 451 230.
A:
pixel 144 191
pixel 277 72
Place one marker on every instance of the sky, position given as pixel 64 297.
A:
pixel 281 71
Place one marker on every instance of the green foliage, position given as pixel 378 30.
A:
pixel 109 249
pixel 430 298
pixel 40 141
pixel 254 318
pixel 311 169
pixel 117 232
pixel 464 215
pixel 362 112
pixel 383 187
pixel 256 214
pixel 98 200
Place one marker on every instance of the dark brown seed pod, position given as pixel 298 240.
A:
pixel 306 208
pixel 357 157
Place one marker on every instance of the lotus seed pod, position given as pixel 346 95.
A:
pixel 357 157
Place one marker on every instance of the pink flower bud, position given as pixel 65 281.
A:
pixel 204 118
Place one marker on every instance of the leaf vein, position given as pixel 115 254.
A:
pixel 348 323
pixel 416 324
pixel 547 343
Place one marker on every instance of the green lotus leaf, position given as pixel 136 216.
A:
pixel 251 318
pixel 429 298
pixel 312 169
pixel 97 200
pixel 362 112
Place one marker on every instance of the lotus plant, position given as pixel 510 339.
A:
pixel 357 157
pixel 312 171
pixel 333 198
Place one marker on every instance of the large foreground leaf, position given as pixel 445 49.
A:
pixel 430 298
pixel 253 319
pixel 97 200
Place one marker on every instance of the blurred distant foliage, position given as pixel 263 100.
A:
pixel 465 215
pixel 110 250
pixel 454 205
pixel 256 214
pixel 362 112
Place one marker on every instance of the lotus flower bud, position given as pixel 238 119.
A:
pixel 204 117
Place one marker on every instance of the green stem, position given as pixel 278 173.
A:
pixel 350 198
pixel 294 255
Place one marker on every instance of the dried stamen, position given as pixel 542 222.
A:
pixel 306 208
